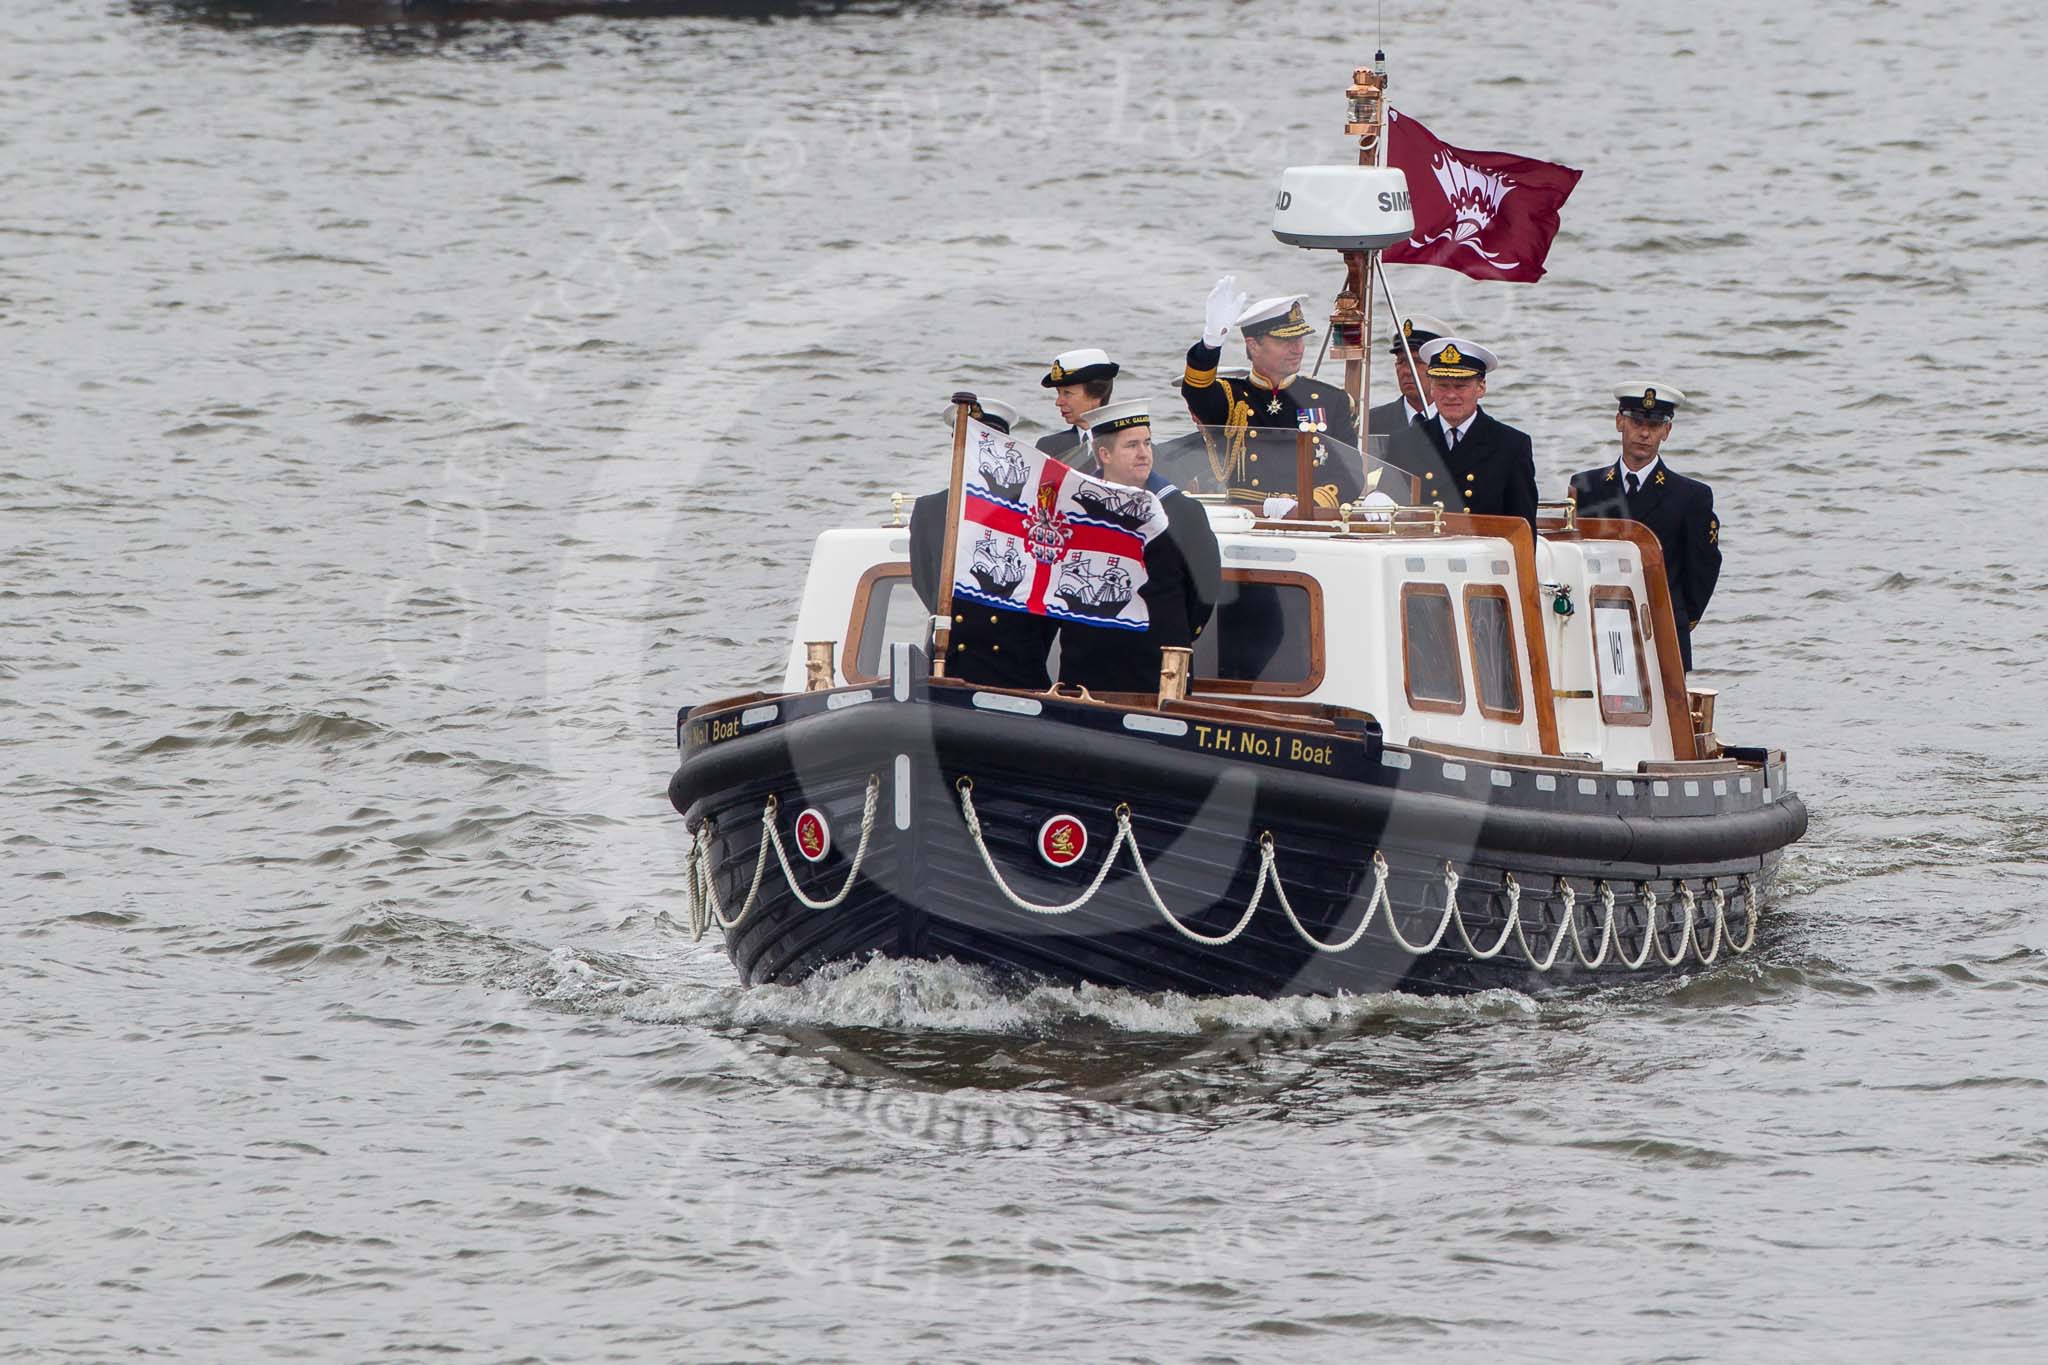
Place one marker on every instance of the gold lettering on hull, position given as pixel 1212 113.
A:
pixel 1229 739
pixel 710 732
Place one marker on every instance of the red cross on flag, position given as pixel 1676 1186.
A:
pixel 1039 536
pixel 1490 215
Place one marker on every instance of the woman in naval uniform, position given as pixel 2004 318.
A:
pixel 1081 381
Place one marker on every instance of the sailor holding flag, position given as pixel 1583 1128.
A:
pixel 1183 567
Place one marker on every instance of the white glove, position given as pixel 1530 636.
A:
pixel 1277 509
pixel 1226 302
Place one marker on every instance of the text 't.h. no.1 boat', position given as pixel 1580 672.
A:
pixel 1419 752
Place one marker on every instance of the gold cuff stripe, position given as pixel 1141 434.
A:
pixel 1198 379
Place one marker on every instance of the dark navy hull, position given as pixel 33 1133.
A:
pixel 1200 821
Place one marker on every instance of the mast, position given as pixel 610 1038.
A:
pixel 942 614
pixel 1351 319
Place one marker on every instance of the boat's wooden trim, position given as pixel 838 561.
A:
pixel 1248 715
pixel 1442 705
pixel 1505 758
pixel 1697 767
pixel 849 643
pixel 1677 706
pixel 1496 593
pixel 1522 542
pixel 1289 709
pixel 705 708
pixel 1240 687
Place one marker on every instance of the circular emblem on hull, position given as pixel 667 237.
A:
pixel 813 835
pixel 1062 840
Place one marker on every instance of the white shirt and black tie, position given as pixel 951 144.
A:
pixel 1635 481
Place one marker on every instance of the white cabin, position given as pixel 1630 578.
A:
pixel 1443 629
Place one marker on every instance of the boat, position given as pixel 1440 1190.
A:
pixel 1415 750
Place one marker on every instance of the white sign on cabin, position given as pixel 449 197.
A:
pixel 1621 681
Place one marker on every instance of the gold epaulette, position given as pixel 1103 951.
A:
pixel 1326 495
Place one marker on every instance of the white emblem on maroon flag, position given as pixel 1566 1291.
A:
pixel 1490 215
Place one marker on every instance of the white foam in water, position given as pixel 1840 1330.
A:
pixel 948 997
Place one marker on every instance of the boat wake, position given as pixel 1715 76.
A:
pixel 950 997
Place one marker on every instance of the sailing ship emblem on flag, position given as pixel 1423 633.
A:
pixel 1038 536
pixel 1001 462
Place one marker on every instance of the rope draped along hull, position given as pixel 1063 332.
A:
pixel 1205 858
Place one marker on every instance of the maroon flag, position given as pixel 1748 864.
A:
pixel 1488 214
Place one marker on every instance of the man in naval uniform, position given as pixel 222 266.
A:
pixel 1408 420
pixel 1490 466
pixel 1183 567
pixel 1081 381
pixel 1641 487
pixel 989 647
pixel 1254 421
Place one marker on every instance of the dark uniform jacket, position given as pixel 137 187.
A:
pixel 1061 445
pixel 1414 448
pixel 1491 472
pixel 990 647
pixel 1681 513
pixel 1183 575
pixel 1255 427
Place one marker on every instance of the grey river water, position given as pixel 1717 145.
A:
pixel 399 423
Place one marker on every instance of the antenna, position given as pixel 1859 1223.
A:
pixel 1350 337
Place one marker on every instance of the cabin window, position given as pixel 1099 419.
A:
pixel 1490 626
pixel 1618 661
pixel 886 609
pixel 1266 637
pixel 1429 649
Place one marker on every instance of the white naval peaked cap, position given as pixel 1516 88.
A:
pixel 993 407
pixel 1652 396
pixel 1079 367
pixel 1457 358
pixel 1274 317
pixel 1132 412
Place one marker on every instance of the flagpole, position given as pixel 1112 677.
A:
pixel 942 619
pixel 1351 322
pixel 1387 292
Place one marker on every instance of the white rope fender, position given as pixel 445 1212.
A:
pixel 1649 932
pixel 703 890
pixel 860 853
pixel 703 908
pixel 702 893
